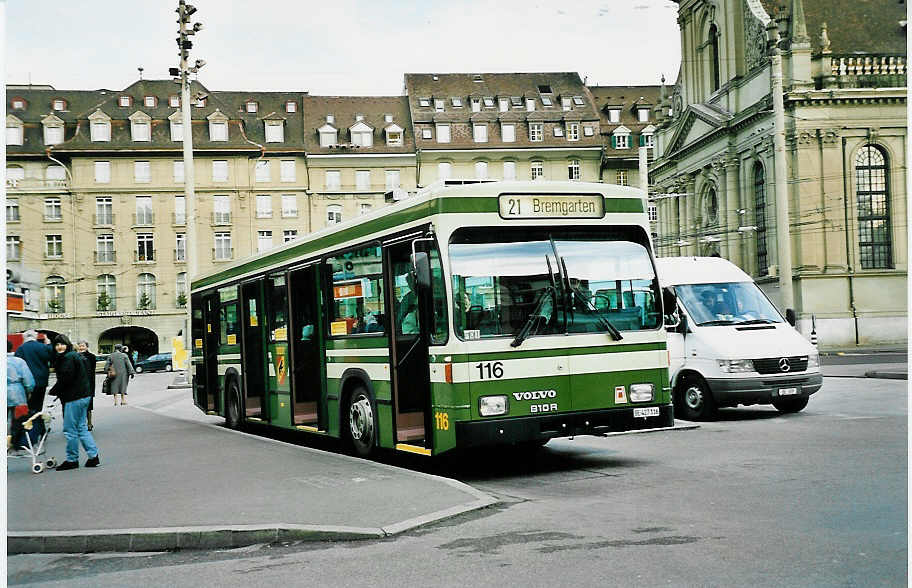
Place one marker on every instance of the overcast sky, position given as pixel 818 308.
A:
pixel 339 47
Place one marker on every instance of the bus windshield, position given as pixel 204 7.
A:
pixel 727 303
pixel 544 282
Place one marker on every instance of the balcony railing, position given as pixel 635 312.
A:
pixel 221 218
pixel 145 219
pixel 34 183
pixel 143 256
pixel 104 219
pixel 53 218
pixel 222 253
pixel 105 256
pixel 862 71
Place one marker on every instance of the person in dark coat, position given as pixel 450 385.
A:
pixel 90 360
pixel 123 371
pixel 37 355
pixel 72 388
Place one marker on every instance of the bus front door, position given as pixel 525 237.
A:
pixel 253 349
pixel 409 354
pixel 211 351
pixel 278 390
pixel 307 359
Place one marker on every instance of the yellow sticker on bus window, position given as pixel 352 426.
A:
pixel 208 327
pixel 253 320
pixel 198 343
pixel 281 334
pixel 338 328
pixel 232 339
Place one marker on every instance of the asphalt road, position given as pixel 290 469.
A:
pixel 813 499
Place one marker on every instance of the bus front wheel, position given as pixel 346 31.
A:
pixel 361 422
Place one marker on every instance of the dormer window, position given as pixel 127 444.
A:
pixel 516 101
pixel 200 102
pixel 573 131
pixel 125 101
pixel 18 104
pixel 177 126
pixel 578 100
pixel 424 102
pixel 544 89
pixel 14 131
pixel 329 136
pixel 330 119
pixel 476 104
pixel 100 126
pixel 174 101
pixel 546 101
pixel 558 131
pixel 648 136
pixel 388 118
pixel 438 104
pixel 588 131
pixel 53 130
pixel 566 104
pixel 251 106
pixel 456 102
pixel 140 126
pixel 489 102
pixel 643 114
pixel 291 106
pixel 361 134
pixel 359 117
pixel 393 135
pixel 614 115
pixel 503 104
pixel 150 101
pixel 218 126
pixel 275 131
pixel 530 104
pixel 620 138
pixel 58 105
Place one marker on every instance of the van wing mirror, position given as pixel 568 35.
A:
pixel 672 315
pixel 421 268
pixel 790 316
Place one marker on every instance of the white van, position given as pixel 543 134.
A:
pixel 731 346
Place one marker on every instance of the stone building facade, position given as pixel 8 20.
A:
pixel 846 135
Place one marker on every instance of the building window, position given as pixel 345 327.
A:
pixel 102 172
pixel 489 101
pixel 55 174
pixel 58 104
pixel 503 104
pixel 652 211
pixel 330 119
pixel 53 135
pixel 874 240
pixel 178 171
pixel 140 130
pixel 125 101
pixel 546 101
pixel 275 132
pixel 52 209
pixel 251 106
pixel 14 134
pixel 530 104
pixel 536 132
pixel 106 292
pixel 426 133
pixel 438 104
pixel 221 207
pixel 558 131
pixel 509 170
pixel 333 180
pixel 104 210
pixel 12 210
pixel 53 246
pixel 287 170
pixel 508 132
pixel 573 131
pixel 643 114
pixel 614 115
pixel 621 141
pixel 443 133
pixel 18 104
pixel 14 174
pixel 573 170
pixel 621 177
pixel 760 219
pixel 456 101
pixel 289 205
pixel 476 104
pixel 392 179
pixel 55 294
pixel 364 208
pixel 145 292
pixel 566 104
pixel 222 249
pixel 180 290
pixel 262 172
pixel 150 101
pixel 480 133
pixel 142 172
pixel 174 101
pixel 362 180
pixel 289 235
pixel 578 100
pixel 218 131
pixel 714 56
pixel 424 102
pixel 220 170
pixel 481 170
pixel 328 137
pixel 291 106
pixel 100 131
pixel 362 138
pixel 444 170
pixel 264 206
pixel 104 249
pixel 394 138
pixel 177 130
pixel 13 248
pixel 264 241
pixel 180 210
pixel 649 140
pixel 145 247
pixel 588 131
pixel 333 214
pixel 537 170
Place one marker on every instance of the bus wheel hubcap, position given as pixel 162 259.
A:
pixel 693 397
pixel 361 420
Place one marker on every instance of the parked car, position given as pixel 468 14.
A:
pixel 100 360
pixel 159 361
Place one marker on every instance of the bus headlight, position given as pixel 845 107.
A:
pixel 492 405
pixel 641 392
pixel 736 366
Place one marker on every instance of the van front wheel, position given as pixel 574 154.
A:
pixel 791 404
pixel 693 400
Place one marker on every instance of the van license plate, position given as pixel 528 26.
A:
pixel 788 391
pixel 646 412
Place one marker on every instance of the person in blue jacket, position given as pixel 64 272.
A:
pixel 19 382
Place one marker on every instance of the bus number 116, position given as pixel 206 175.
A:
pixel 489 370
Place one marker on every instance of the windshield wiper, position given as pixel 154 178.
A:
pixel 603 321
pixel 718 322
pixel 756 322
pixel 534 318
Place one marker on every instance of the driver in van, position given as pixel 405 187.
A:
pixel 708 298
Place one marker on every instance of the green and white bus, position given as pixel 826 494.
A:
pixel 474 313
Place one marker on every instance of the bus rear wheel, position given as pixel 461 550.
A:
pixel 361 422
pixel 233 414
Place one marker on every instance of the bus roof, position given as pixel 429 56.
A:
pixel 441 197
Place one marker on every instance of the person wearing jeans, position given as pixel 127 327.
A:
pixel 72 388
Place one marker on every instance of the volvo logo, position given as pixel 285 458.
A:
pixel 784 364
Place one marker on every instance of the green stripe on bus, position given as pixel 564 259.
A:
pixel 629 348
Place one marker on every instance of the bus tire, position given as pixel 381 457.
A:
pixel 362 421
pixel 233 414
pixel 791 404
pixel 694 400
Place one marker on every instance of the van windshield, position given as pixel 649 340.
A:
pixel 727 303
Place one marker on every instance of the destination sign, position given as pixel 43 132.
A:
pixel 551 206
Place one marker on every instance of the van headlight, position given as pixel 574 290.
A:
pixel 641 392
pixel 813 360
pixel 736 366
pixel 492 405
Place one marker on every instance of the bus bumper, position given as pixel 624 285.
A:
pixel 537 428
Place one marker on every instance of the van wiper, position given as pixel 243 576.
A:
pixel 536 318
pixel 756 322
pixel 718 322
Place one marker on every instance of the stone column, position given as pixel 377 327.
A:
pixel 733 203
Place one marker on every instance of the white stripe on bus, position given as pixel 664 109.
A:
pixel 375 352
pixel 376 371
pixel 224 367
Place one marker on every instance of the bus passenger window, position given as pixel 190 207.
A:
pixel 357 279
pixel 228 324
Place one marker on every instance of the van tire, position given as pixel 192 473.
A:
pixel 693 399
pixel 791 404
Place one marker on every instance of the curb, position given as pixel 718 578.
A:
pixel 887 375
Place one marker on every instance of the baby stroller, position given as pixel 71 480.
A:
pixel 36 428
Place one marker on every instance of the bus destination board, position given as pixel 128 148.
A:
pixel 551 206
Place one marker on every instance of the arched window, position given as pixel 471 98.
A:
pixel 713 43
pixel 145 292
pixel 760 219
pixel 710 208
pixel 106 290
pixel 55 294
pixel 874 242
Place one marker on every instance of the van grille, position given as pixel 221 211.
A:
pixel 775 365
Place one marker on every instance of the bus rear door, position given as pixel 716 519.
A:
pixel 253 345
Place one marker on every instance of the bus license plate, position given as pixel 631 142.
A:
pixel 788 391
pixel 646 411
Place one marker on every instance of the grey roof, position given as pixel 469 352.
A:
pixel 344 110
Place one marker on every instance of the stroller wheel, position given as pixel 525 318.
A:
pixel 51 463
pixel 37 468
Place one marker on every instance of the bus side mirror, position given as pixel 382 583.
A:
pixel 421 268
pixel 790 316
